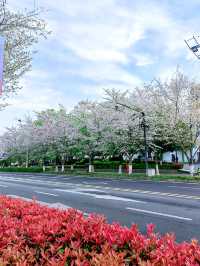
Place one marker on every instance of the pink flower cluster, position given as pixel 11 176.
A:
pixel 31 234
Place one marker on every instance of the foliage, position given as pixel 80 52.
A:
pixel 22 169
pixel 108 129
pixel 21 30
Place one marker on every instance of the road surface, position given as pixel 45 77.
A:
pixel 171 206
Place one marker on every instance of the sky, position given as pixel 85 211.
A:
pixel 103 44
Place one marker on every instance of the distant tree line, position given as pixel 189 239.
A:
pixel 108 129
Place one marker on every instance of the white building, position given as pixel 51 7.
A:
pixel 168 156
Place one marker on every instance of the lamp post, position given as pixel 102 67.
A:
pixel 143 126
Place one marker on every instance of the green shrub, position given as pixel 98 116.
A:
pixel 22 169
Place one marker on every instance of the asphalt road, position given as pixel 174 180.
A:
pixel 171 206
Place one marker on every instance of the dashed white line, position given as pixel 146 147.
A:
pixel 179 187
pixel 159 214
pixel 46 193
pixel 105 188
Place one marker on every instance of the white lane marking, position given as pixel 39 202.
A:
pixel 179 182
pixel 160 214
pixel 37 181
pixel 86 190
pixel 110 197
pixel 92 186
pixel 45 193
pixel 184 187
pixel 3 186
pixel 105 197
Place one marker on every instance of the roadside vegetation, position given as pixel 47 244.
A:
pixel 35 235
pixel 164 176
pixel 108 135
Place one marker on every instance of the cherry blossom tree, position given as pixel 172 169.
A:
pixel 88 120
pixel 21 30
pixel 177 109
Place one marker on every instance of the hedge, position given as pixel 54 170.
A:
pixel 136 165
pixel 22 169
pixel 31 234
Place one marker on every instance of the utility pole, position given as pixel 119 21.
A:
pixel 144 126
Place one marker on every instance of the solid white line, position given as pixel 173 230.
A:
pixel 160 214
pixel 45 193
pixel 184 187
pixel 97 196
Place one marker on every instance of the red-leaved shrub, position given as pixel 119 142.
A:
pixel 31 234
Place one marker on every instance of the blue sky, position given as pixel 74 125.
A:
pixel 98 44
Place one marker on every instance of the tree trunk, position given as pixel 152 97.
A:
pixel 192 169
pixel 120 170
pixel 27 157
pixel 183 157
pixel 157 169
pixel 91 166
pixel 191 157
pixel 63 163
pixel 130 166
pixel 130 169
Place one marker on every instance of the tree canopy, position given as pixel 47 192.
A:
pixel 112 127
pixel 21 30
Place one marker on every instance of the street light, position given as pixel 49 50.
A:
pixel 144 126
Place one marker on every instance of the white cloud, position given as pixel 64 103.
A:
pixel 143 59
pixel 99 40
pixel 38 94
pixel 97 72
pixel 97 92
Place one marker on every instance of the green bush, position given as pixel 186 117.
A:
pixel 136 165
pixel 22 169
